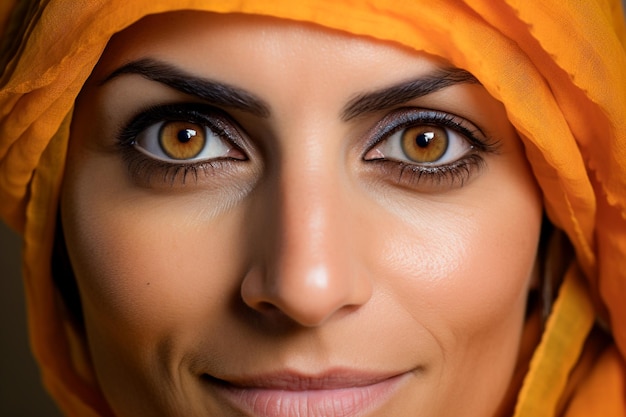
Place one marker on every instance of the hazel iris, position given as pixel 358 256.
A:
pixel 182 140
pixel 425 144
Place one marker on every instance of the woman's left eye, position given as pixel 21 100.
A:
pixel 426 145
pixel 427 150
pixel 424 138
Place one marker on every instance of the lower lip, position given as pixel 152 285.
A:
pixel 340 402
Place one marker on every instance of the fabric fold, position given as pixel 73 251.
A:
pixel 568 105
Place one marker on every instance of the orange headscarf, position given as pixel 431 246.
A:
pixel 559 67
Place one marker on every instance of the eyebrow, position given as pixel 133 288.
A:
pixel 404 92
pixel 213 92
pixel 225 95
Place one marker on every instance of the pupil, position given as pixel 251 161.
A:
pixel 185 135
pixel 423 139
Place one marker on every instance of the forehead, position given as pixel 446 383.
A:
pixel 242 47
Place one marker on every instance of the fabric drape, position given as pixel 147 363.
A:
pixel 559 67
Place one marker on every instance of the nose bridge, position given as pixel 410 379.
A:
pixel 310 269
pixel 310 192
pixel 308 211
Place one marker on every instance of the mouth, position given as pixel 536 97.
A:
pixel 337 393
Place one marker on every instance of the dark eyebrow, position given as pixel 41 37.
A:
pixel 213 92
pixel 404 92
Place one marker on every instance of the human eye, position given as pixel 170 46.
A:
pixel 172 142
pixel 427 148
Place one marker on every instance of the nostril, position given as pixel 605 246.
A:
pixel 266 307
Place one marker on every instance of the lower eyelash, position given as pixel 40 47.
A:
pixel 143 169
pixel 416 176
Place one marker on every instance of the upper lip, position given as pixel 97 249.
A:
pixel 297 381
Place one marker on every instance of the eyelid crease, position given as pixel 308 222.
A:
pixel 405 92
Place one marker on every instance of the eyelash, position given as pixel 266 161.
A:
pixel 413 175
pixel 143 168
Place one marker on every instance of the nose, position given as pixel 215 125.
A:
pixel 310 271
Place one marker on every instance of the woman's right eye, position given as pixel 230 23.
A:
pixel 171 143
pixel 181 141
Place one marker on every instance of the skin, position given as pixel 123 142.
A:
pixel 305 257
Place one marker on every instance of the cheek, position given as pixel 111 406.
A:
pixel 463 271
pixel 128 264
pixel 151 284
pixel 146 267
pixel 461 275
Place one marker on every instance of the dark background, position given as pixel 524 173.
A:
pixel 21 393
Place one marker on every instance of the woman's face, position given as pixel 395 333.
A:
pixel 272 219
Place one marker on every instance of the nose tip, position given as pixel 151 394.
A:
pixel 310 267
pixel 308 296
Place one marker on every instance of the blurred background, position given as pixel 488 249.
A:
pixel 21 393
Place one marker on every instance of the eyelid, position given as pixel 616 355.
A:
pixel 149 171
pixel 427 177
pixel 410 116
pixel 216 119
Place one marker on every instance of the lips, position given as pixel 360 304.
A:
pixel 332 394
